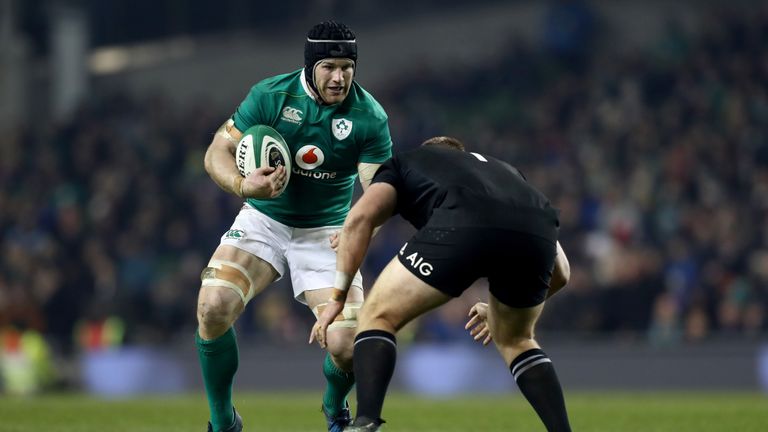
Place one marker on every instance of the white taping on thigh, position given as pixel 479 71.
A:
pixel 217 264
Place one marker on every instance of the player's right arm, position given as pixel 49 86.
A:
pixel 372 209
pixel 365 173
pixel 220 158
pixel 264 182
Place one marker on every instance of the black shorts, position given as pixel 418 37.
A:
pixel 518 265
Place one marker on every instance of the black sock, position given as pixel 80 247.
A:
pixel 374 362
pixel 537 380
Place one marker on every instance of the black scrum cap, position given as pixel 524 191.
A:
pixel 328 39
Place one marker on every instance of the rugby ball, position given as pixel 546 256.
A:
pixel 261 146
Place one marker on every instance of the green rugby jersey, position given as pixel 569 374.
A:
pixel 326 143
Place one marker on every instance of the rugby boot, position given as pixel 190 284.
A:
pixel 237 425
pixel 367 426
pixel 339 421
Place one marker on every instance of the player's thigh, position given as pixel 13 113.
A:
pixel 397 297
pixel 521 272
pixel 250 255
pixel 512 329
pixel 317 299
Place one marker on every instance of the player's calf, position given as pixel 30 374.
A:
pixel 536 378
pixel 512 330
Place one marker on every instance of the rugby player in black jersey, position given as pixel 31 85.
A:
pixel 476 217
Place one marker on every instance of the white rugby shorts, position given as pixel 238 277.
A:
pixel 306 252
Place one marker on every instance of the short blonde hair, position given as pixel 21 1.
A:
pixel 444 141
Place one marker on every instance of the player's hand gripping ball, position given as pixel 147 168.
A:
pixel 261 146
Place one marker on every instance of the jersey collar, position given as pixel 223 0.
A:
pixel 304 84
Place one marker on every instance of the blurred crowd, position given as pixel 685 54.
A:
pixel 657 159
pixel 109 214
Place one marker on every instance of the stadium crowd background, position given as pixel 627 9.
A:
pixel 657 158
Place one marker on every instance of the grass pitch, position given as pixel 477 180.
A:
pixel 289 412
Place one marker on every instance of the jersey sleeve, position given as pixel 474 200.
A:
pixel 378 147
pixel 388 172
pixel 252 110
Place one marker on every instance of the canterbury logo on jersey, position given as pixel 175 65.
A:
pixel 293 115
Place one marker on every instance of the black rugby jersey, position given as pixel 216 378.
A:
pixel 443 187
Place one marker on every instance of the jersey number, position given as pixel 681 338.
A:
pixel 479 157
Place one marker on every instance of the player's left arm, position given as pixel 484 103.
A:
pixel 377 204
pixel 365 172
pixel 478 323
pixel 372 209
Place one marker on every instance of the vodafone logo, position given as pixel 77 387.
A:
pixel 309 157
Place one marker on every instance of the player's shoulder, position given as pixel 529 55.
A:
pixel 500 164
pixel 437 153
pixel 361 100
pixel 284 84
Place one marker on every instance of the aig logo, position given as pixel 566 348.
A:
pixel 417 262
pixel 292 115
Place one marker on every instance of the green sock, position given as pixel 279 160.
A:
pixel 338 386
pixel 219 360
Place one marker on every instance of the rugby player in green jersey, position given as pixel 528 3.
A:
pixel 336 132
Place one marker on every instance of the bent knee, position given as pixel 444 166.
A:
pixel 341 346
pixel 512 335
pixel 217 306
pixel 512 347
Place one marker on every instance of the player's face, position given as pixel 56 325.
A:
pixel 333 78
